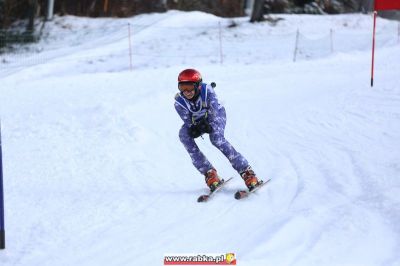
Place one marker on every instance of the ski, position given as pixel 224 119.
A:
pixel 240 194
pixel 206 197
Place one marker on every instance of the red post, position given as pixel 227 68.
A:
pixel 2 230
pixel 373 50
pixel 220 43
pixel 296 45
pixel 398 33
pixel 130 46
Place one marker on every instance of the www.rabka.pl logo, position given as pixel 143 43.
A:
pixel 200 259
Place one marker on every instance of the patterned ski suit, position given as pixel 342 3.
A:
pixel 206 105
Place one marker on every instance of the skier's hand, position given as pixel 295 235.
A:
pixel 194 131
pixel 200 128
pixel 204 126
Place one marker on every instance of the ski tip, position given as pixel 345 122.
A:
pixel 240 194
pixel 203 198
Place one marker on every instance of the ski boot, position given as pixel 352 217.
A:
pixel 250 178
pixel 212 179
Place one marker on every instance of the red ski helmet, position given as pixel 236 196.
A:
pixel 189 75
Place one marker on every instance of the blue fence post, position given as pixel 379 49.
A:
pixel 2 231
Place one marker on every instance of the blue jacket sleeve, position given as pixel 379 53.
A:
pixel 213 106
pixel 184 114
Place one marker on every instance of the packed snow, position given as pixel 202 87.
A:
pixel 95 174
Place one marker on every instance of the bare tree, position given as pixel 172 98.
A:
pixel 223 8
pixel 9 12
pixel 257 14
pixel 32 10
pixel 365 5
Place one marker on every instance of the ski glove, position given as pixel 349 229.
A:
pixel 196 130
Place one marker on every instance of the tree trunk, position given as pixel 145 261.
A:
pixel 366 6
pixel 257 14
pixel 33 4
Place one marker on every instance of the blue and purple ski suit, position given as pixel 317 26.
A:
pixel 206 105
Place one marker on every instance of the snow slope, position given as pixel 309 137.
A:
pixel 95 173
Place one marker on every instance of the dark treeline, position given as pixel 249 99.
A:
pixel 12 10
pixel 124 8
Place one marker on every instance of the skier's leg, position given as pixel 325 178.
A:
pixel 239 163
pixel 198 159
pixel 217 138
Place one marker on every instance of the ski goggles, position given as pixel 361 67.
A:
pixel 186 86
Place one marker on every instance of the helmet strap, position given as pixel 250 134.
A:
pixel 196 90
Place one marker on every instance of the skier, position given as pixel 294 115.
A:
pixel 198 106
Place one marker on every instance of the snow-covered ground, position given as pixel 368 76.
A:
pixel 94 172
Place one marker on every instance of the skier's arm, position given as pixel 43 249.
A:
pixel 184 114
pixel 213 105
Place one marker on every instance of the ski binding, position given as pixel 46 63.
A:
pixel 206 197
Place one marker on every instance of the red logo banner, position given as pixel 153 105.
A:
pixel 386 4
